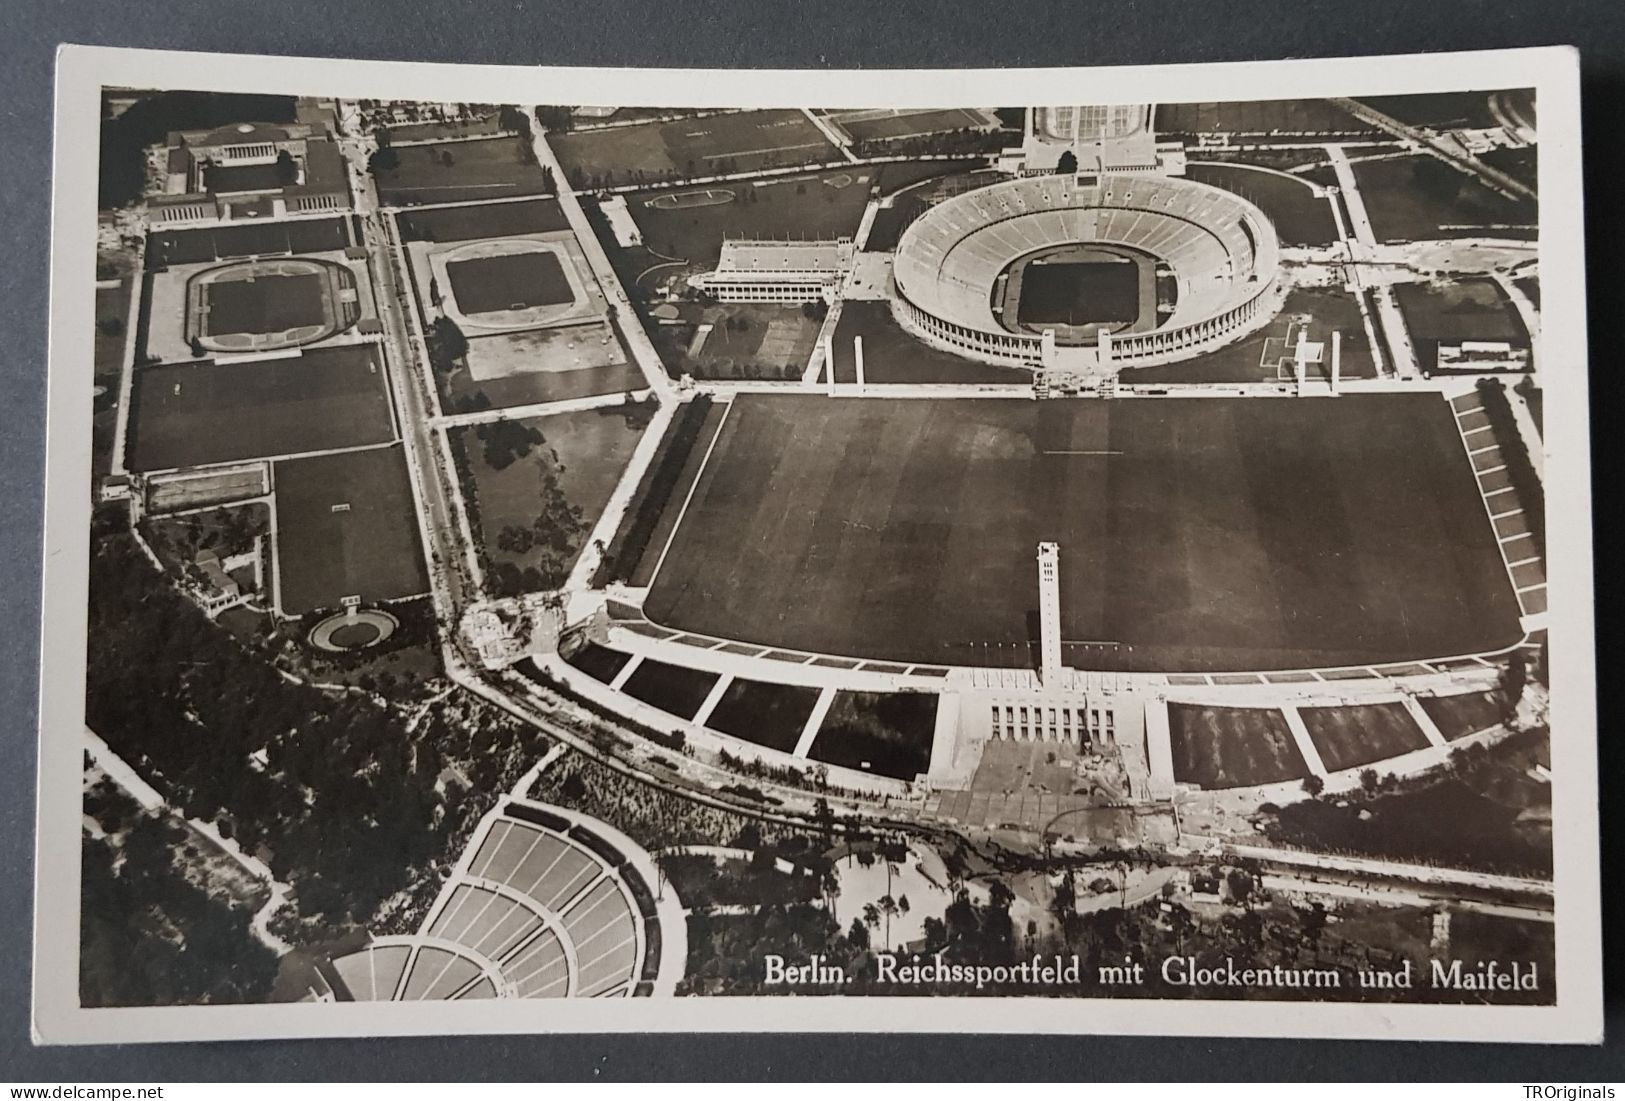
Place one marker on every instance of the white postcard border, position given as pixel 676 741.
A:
pixel 1553 71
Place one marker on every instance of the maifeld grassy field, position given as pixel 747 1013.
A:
pixel 1198 534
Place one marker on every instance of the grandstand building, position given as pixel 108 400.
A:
pixel 1093 141
pixel 778 271
pixel 253 170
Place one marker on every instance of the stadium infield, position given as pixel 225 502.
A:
pixel 268 303
pixel 1197 534
pixel 508 281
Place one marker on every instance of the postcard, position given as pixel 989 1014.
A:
pixel 1081 551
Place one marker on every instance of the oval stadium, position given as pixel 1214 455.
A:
pixel 1135 270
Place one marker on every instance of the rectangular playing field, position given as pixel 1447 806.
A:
pixel 1201 534
pixel 729 141
pixel 463 171
pixel 267 304
pixel 345 527
pixel 1081 291
pixel 195 414
pixel 509 281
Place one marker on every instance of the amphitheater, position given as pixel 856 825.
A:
pixel 1220 251
pixel 545 903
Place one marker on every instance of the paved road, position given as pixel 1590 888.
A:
pixel 438 518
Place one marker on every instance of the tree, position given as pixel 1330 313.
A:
pixel 1369 781
pixel 196 346
pixel 287 169
pixel 1514 675
pixel 858 936
pixel 384 159
pixel 1313 785
pixel 1240 882
pixel 1067 164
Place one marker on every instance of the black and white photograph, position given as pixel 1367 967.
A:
pixel 538 549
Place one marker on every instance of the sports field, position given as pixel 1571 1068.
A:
pixel 1198 534
pixel 471 223
pixel 193 414
pixel 1080 290
pixel 508 281
pixel 462 171
pixel 730 141
pixel 1449 313
pixel 892 124
pixel 268 303
pixel 1275 117
pixel 194 246
pixel 345 527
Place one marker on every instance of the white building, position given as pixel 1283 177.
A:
pixel 778 271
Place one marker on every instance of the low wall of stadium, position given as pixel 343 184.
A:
pixel 1135 350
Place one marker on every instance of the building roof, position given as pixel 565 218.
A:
pixel 239 133
pixel 767 258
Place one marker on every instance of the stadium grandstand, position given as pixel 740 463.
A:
pixel 777 271
pixel 1220 251
pixel 545 903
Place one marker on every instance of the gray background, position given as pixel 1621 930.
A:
pixel 746 33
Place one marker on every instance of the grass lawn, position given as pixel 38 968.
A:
pixel 885 732
pixel 494 169
pixel 509 281
pixel 582 453
pixel 736 141
pixel 112 325
pixel 1232 747
pixel 892 354
pixel 1258 357
pixel 1419 199
pixel 1349 736
pixel 472 223
pixel 1199 534
pixel 1299 215
pixel 765 714
pixel 1284 117
pixel 1459 716
pixel 819 206
pixel 195 246
pixel 264 304
pixel 1449 313
pixel 672 688
pixel 192 414
pixel 599 662
pixel 345 527
pixel 745 340
pixel 1439 110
